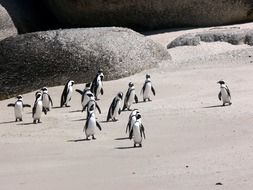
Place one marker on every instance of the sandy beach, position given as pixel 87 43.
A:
pixel 192 142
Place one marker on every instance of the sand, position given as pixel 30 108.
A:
pixel 191 141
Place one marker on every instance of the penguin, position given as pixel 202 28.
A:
pixel 18 108
pixel 91 124
pixel 137 132
pixel 37 109
pixel 147 88
pixel 224 93
pixel 67 93
pixel 91 102
pixel 114 109
pixel 131 120
pixel 46 100
pixel 130 97
pixel 97 85
pixel 85 95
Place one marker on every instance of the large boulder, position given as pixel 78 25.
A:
pixel 150 14
pixel 234 35
pixel 34 60
pixel 29 15
pixel 7 27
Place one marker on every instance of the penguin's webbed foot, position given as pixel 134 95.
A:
pixel 149 100
pixel 93 137
pixel 140 145
pixel 34 121
pixel 134 145
pixel 16 120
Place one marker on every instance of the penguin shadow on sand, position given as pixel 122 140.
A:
pixel 83 119
pixel 79 140
pixel 215 106
pixel 7 122
pixel 121 139
pixel 126 147
pixel 75 111
pixel 28 123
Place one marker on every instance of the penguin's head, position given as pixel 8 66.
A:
pixel 19 97
pixel 221 82
pixel 130 84
pixel 44 89
pixel 36 93
pixel 120 95
pixel 90 95
pixel 71 82
pixel 138 115
pixel 88 85
pixel 147 76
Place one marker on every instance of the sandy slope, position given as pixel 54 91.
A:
pixel 192 143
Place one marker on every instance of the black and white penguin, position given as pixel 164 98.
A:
pixel 85 95
pixel 137 132
pixel 131 120
pixel 97 84
pixel 114 109
pixel 224 93
pixel 18 108
pixel 67 93
pixel 91 124
pixel 37 108
pixel 147 88
pixel 130 97
pixel 92 102
pixel 46 100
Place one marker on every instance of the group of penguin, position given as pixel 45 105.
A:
pixel 89 98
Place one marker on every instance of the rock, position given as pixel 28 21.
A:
pixel 233 36
pixel 185 40
pixel 31 61
pixel 150 14
pixel 29 15
pixel 7 27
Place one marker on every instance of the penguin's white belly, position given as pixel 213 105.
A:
pixel 224 95
pixel 38 112
pixel 91 127
pixel 133 120
pixel 116 111
pixel 69 95
pixel 18 110
pixel 137 134
pixel 46 102
pixel 85 101
pixel 146 93
pixel 131 98
pixel 99 88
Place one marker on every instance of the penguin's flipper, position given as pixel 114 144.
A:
pixel 64 94
pixel 228 91
pixel 11 105
pixel 153 90
pixel 219 96
pixel 50 99
pixel 44 110
pixel 128 126
pixel 131 134
pixel 136 99
pixel 143 88
pixel 119 112
pixel 109 114
pixel 26 105
pixel 102 91
pixel 143 131
pixel 98 125
pixel 34 108
pixel 79 91
pixel 99 110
